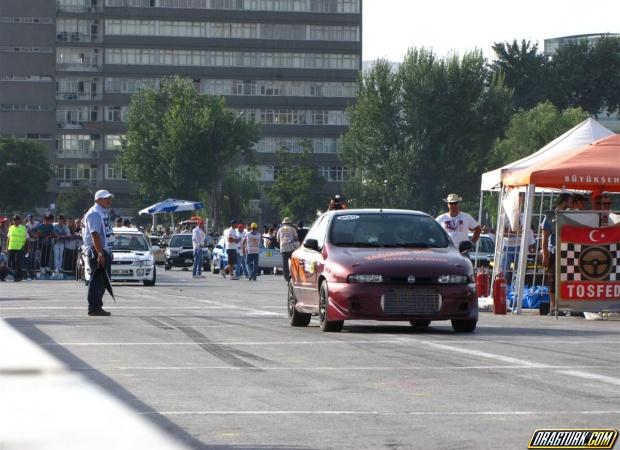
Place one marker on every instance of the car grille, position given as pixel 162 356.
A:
pixel 411 302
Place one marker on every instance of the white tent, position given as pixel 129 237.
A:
pixel 581 135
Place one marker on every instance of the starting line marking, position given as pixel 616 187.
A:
pixel 387 413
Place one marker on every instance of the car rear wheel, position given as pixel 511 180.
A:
pixel 464 326
pixel 151 282
pixel 327 325
pixel 421 323
pixel 296 318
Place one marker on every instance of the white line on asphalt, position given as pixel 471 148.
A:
pixel 591 376
pixel 510 360
pixel 346 369
pixel 253 343
pixel 258 312
pixel 390 413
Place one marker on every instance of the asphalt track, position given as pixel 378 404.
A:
pixel 215 363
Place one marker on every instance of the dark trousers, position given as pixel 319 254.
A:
pixel 286 257
pixel 96 285
pixel 16 259
pixel 46 256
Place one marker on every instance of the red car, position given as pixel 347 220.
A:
pixel 372 264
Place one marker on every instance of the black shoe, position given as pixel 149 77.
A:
pixel 99 312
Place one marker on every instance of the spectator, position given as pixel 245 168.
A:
pixel 18 237
pixel 4 268
pixel 45 233
pixel 4 229
pixel 61 232
pixel 32 252
pixel 198 242
pixel 241 253
pixel 457 223
pixel 289 241
pixel 231 240
pixel 252 245
pixel 118 222
pixel 579 202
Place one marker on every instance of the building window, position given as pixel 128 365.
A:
pixel 76 174
pixel 33 20
pixel 77 145
pixel 130 85
pixel 21 49
pixel 322 6
pixel 116 113
pixel 285 116
pixel 28 136
pixel 334 173
pixel 28 78
pixel 22 107
pixel 278 88
pixel 114 172
pixel 78 58
pixel 114 142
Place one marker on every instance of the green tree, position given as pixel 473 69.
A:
pixel 238 187
pixel 74 202
pixel 531 130
pixel 586 75
pixel 525 71
pixel 180 143
pixel 293 193
pixel 425 131
pixel 25 172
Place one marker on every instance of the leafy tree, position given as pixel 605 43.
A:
pixel 238 187
pixel 25 172
pixel 180 143
pixel 74 202
pixel 425 131
pixel 525 71
pixel 531 130
pixel 586 75
pixel 293 193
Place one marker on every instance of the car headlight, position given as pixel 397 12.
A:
pixel 363 278
pixel 453 279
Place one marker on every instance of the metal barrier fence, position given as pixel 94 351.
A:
pixel 50 258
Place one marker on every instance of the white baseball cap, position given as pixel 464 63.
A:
pixel 102 194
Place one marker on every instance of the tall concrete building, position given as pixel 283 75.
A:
pixel 68 69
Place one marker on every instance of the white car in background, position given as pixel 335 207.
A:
pixel 134 258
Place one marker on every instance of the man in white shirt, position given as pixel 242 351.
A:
pixel 252 246
pixel 457 223
pixel 198 241
pixel 231 239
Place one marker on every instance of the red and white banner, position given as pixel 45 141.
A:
pixel 587 266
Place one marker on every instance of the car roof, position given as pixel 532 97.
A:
pixel 126 230
pixel 346 212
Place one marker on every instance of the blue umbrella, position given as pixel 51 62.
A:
pixel 171 205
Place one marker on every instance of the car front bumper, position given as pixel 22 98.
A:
pixel 361 301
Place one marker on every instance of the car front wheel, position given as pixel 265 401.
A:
pixel 464 326
pixel 151 282
pixel 325 324
pixel 296 318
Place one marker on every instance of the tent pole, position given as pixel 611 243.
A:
pixel 172 222
pixel 499 237
pixel 479 223
pixel 524 250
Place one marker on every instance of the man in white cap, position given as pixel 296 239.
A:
pixel 289 241
pixel 97 227
pixel 457 223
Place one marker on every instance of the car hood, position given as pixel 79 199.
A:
pixel 130 255
pixel 419 261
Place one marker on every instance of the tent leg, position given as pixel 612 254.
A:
pixel 525 226
pixel 479 223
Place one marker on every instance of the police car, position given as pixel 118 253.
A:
pixel 134 259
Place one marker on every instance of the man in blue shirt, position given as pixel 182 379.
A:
pixel 97 230
pixel 548 244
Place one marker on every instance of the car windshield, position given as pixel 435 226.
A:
pixel 130 242
pixel 486 245
pixel 181 240
pixel 387 230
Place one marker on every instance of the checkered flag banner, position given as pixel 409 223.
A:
pixel 570 269
pixel 589 254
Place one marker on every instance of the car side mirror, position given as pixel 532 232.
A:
pixel 312 244
pixel 465 246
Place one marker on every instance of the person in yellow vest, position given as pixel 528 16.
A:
pixel 17 237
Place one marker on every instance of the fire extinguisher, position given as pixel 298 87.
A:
pixel 499 294
pixel 482 283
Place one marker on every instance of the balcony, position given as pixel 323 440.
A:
pixel 78 7
pixel 79 67
pixel 78 96
pixel 77 154
pixel 77 124
pixel 73 36
pixel 78 182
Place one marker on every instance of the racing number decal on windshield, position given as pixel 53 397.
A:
pixel 350 217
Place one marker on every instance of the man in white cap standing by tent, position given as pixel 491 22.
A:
pixel 458 224
pixel 97 231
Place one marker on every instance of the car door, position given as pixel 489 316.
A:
pixel 307 264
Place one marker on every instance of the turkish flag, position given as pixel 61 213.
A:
pixel 592 236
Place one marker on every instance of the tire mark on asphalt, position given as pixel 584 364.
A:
pixel 157 323
pixel 225 353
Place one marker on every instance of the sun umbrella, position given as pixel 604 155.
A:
pixel 172 205
pixel 101 272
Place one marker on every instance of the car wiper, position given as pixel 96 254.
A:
pixel 419 245
pixel 358 244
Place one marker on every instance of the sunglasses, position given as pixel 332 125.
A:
pixel 453 203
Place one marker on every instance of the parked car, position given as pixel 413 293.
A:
pixel 269 260
pixel 133 258
pixel 160 254
pixel 180 253
pixel 370 264
pixel 482 255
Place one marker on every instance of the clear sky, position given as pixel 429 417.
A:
pixel 392 26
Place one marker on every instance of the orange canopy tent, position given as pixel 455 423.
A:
pixel 595 167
